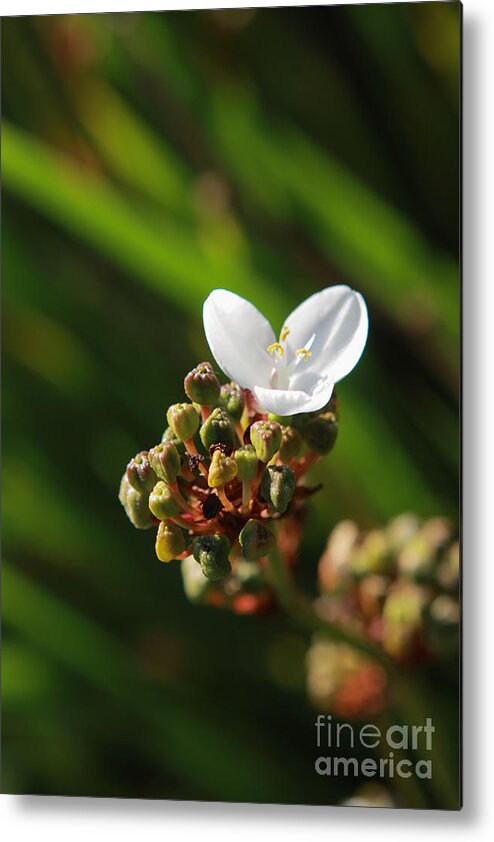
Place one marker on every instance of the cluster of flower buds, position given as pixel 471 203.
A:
pixel 221 486
pixel 396 589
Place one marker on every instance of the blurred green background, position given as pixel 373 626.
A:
pixel 147 159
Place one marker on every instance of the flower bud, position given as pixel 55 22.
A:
pixel 343 681
pixel 217 429
pixel 266 438
pixel 284 420
pixel 183 419
pixel 403 615
pixel 319 431
pixel 335 565
pixel 135 504
pixel 211 552
pixel 372 592
pixel 255 539
pixel 222 469
pixel 400 530
pixel 170 541
pixel 372 555
pixel 165 460
pixel 404 603
pixel 278 486
pixel 194 581
pixel 162 502
pixel 140 473
pixel 232 399
pixel 247 462
pixel 291 444
pixel 202 386
pixel 416 560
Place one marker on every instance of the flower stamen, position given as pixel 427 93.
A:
pixel 303 352
pixel 275 348
pixel 284 333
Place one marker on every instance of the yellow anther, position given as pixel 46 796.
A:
pixel 284 333
pixel 275 348
pixel 303 352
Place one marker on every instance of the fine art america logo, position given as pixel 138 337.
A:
pixel 334 741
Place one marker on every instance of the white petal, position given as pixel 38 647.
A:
pixel 337 319
pixel 238 335
pixel 294 401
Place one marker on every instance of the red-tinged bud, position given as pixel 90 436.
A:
pixel 140 474
pixel 232 400
pixel 266 438
pixel 202 386
pixel 165 460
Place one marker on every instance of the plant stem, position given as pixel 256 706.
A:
pixel 184 505
pixel 246 489
pixel 224 499
pixel 301 610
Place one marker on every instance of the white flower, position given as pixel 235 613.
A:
pixel 320 343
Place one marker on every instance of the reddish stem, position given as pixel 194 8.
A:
pixel 306 462
pixel 226 502
pixel 192 449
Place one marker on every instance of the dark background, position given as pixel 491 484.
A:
pixel 147 159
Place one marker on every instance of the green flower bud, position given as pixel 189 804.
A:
pixel 233 400
pixel 284 420
pixel 202 386
pixel 403 616
pixel 247 462
pixel 320 431
pixel 170 436
pixel 255 539
pixel 184 420
pixel 165 459
pixel 278 486
pixel 222 469
pixel 417 560
pixel 170 541
pixel 211 551
pixel 194 581
pixel 135 504
pixel 140 473
pixel 291 444
pixel 404 605
pixel 372 555
pixel 400 530
pixel 217 429
pixel 266 438
pixel 162 502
